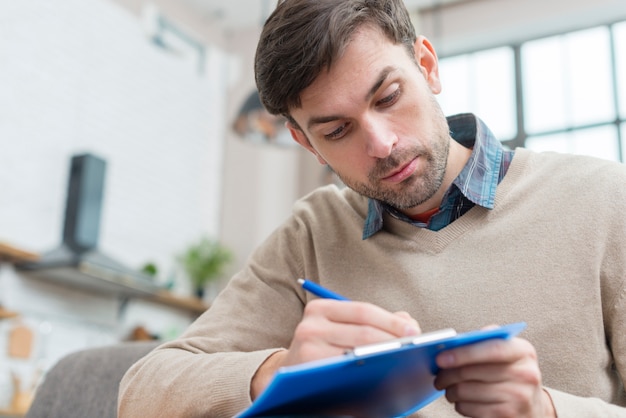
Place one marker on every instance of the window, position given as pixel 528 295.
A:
pixel 623 142
pixel 619 34
pixel 485 82
pixel 598 142
pixel 561 103
pixel 561 87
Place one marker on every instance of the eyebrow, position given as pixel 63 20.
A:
pixel 384 74
pixel 381 79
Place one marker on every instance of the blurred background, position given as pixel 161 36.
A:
pixel 163 92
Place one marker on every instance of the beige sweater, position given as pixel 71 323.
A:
pixel 551 253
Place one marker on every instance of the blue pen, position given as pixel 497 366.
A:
pixel 320 291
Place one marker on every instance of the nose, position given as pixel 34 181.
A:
pixel 379 137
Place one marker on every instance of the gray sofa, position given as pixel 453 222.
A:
pixel 84 384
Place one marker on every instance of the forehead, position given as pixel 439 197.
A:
pixel 353 74
pixel 367 48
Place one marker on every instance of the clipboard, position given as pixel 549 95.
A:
pixel 390 379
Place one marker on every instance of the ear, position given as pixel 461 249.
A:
pixel 426 58
pixel 300 138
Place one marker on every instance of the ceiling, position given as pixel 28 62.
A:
pixel 239 14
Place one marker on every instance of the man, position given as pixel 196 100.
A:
pixel 439 227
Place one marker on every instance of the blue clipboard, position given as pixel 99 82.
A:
pixel 390 379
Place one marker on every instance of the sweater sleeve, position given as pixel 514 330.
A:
pixel 568 405
pixel 613 272
pixel 173 382
pixel 207 371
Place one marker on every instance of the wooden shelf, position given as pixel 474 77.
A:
pixel 96 278
pixel 126 287
pixel 189 303
pixel 12 254
pixel 4 314
pixel 11 413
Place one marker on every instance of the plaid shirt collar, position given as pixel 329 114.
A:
pixel 478 179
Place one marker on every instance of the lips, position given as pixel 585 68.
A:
pixel 403 173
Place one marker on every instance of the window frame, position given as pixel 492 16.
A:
pixel 519 140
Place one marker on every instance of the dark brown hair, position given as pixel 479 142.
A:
pixel 303 37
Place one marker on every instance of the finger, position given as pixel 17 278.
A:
pixel 486 400
pixel 487 373
pixel 406 315
pixel 522 372
pixel 363 313
pixel 485 410
pixel 349 336
pixel 478 392
pixel 493 351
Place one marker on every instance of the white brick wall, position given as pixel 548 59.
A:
pixel 81 76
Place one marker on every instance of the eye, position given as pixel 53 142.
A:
pixel 337 133
pixel 389 100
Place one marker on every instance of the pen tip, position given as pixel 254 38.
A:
pixel 301 281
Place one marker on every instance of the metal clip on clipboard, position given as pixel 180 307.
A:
pixel 381 347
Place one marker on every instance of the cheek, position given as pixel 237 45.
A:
pixel 409 115
pixel 351 166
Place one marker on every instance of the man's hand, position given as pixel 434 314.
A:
pixel 498 378
pixel 329 328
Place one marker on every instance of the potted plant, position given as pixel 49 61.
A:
pixel 203 262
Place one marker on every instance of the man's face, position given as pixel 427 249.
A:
pixel 374 120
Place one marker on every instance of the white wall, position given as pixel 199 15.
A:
pixel 470 25
pixel 261 182
pixel 82 76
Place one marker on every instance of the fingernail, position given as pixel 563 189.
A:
pixel 411 330
pixel 445 360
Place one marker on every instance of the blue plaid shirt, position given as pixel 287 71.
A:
pixel 475 185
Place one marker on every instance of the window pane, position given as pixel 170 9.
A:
pixel 544 92
pixel 482 83
pixel 598 142
pixel 619 32
pixel 623 142
pixel 561 88
pixel 591 85
pixel 455 84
